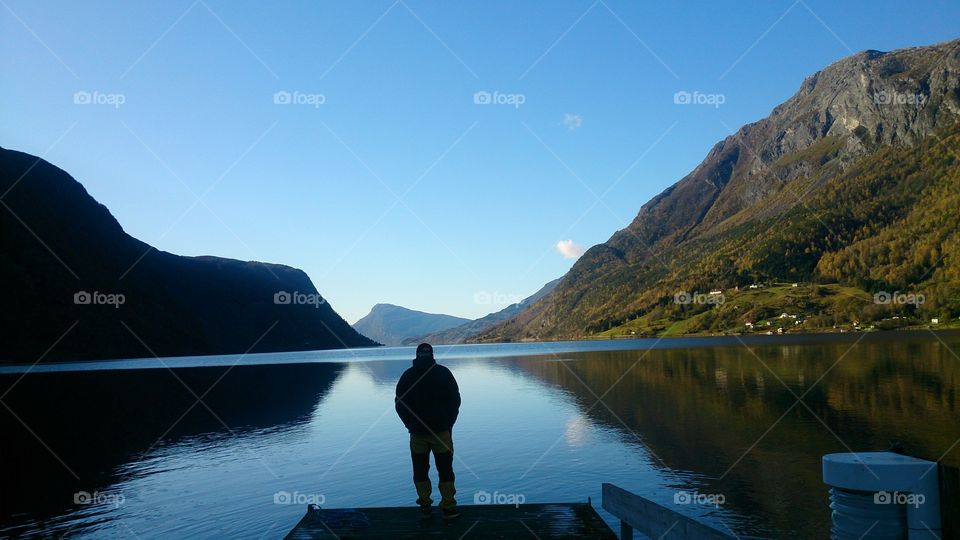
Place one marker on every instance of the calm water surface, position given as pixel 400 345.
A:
pixel 207 450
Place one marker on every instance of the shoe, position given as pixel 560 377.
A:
pixel 426 511
pixel 451 513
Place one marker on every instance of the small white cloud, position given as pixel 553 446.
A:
pixel 572 121
pixel 568 249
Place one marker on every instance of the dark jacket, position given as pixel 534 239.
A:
pixel 428 398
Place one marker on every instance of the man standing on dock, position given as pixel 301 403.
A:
pixel 428 402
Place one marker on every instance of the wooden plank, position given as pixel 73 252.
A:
pixel 545 521
pixel 654 520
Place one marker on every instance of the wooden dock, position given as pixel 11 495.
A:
pixel 654 520
pixel 544 521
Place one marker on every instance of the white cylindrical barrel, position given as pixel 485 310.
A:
pixel 882 495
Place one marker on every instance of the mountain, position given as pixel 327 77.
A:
pixel 468 330
pixel 391 325
pixel 850 184
pixel 77 287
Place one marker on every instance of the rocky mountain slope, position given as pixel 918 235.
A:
pixel 835 186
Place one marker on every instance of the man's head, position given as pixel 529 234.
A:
pixel 424 351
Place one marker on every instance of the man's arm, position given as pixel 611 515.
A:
pixel 403 386
pixel 453 399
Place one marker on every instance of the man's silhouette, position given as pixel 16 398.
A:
pixel 428 402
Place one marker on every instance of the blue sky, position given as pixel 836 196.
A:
pixel 378 172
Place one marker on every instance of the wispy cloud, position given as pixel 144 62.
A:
pixel 568 249
pixel 572 121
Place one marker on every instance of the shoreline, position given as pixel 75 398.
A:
pixel 465 350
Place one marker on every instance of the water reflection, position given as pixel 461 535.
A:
pixel 731 415
pixel 70 433
pixel 720 419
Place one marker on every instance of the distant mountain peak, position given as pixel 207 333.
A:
pixel 391 324
pixel 467 331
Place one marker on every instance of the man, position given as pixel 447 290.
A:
pixel 428 402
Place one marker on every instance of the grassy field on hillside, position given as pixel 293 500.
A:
pixel 776 309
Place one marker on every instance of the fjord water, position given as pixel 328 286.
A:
pixel 215 452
